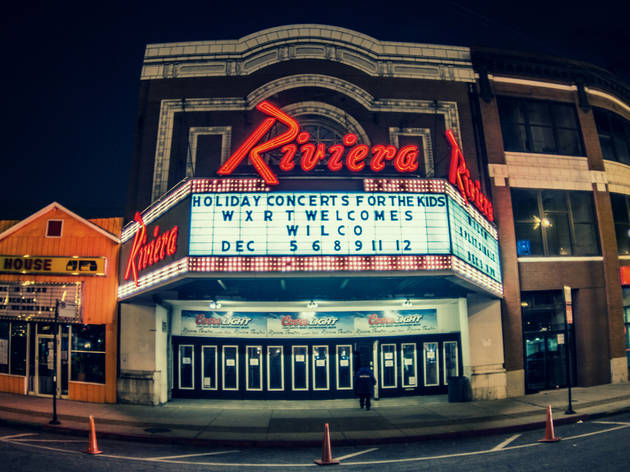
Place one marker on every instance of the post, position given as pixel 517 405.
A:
pixel 568 322
pixel 55 420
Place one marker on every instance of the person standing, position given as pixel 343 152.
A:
pixel 364 382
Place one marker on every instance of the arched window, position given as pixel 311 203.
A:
pixel 321 130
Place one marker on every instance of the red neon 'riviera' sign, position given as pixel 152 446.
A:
pixel 459 175
pixel 143 255
pixel 404 159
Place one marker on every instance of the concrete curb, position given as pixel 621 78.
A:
pixel 248 442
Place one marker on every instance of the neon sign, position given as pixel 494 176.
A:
pixel 404 159
pixel 459 175
pixel 143 255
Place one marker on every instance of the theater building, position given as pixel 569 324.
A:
pixel 58 278
pixel 308 199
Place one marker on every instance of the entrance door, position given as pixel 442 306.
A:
pixel 545 366
pixel 44 361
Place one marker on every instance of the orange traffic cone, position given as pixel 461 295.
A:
pixel 93 448
pixel 549 435
pixel 326 452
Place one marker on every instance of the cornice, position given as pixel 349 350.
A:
pixel 242 57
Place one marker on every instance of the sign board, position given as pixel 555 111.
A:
pixel 308 324
pixel 568 304
pixel 52 265
pixel 339 224
pixel 36 301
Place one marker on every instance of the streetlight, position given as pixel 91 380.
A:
pixel 568 321
pixel 58 304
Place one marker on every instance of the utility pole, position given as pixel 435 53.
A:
pixel 55 420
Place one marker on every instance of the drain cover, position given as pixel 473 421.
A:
pixel 157 430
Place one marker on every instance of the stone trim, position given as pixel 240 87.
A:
pixel 527 170
pixel 226 144
pixel 617 177
pixel 251 53
pixel 427 145
pixel 169 107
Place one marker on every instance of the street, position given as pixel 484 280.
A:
pixel 593 445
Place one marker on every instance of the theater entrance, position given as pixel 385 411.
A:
pixel 312 368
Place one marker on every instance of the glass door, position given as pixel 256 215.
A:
pixel 451 363
pixel 409 365
pixel 209 368
pixel 388 366
pixel 44 360
pixel 230 367
pixel 299 367
pixel 253 358
pixel 545 364
pixel 186 367
pixel 344 367
pixel 320 368
pixel 275 368
pixel 431 365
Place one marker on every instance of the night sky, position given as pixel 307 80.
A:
pixel 70 72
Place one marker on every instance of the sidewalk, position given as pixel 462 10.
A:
pixel 293 423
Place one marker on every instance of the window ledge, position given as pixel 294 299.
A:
pixel 561 259
pixel 550 156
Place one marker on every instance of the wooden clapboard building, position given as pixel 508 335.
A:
pixel 57 261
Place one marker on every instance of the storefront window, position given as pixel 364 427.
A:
pixel 4 347
pixel 554 223
pixel 88 354
pixel 626 329
pixel 539 126
pixel 18 349
pixel 626 319
pixel 621 216
pixel 614 135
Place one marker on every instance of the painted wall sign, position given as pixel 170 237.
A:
pixel 459 175
pixel 36 301
pixel 355 157
pixel 337 224
pixel 52 265
pixel 308 324
pixel 144 254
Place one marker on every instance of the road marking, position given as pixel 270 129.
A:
pixel 191 455
pixel 372 462
pixel 217 464
pixel 489 451
pixel 348 456
pixel 13 436
pixel 622 426
pixel 501 445
pixel 610 422
pixel 52 440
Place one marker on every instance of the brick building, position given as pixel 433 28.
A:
pixel 308 199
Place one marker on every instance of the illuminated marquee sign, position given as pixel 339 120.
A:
pixel 52 265
pixel 459 175
pixel 339 224
pixel 357 156
pixel 239 226
pixel 145 254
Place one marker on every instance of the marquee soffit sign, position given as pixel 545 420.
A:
pixel 357 157
pixel 472 252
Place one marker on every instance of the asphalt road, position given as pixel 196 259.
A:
pixel 591 445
